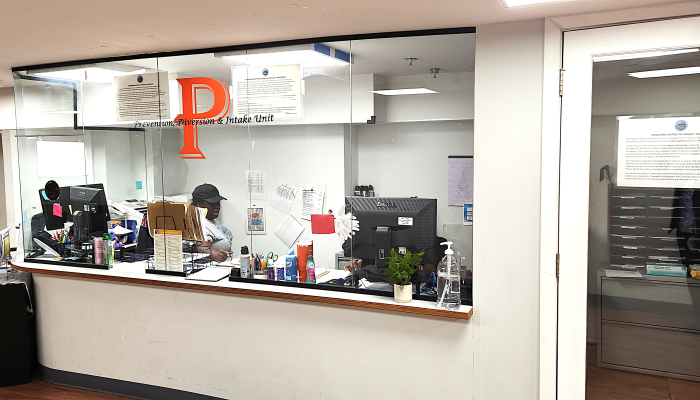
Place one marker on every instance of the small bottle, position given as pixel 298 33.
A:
pixel 98 244
pixel 357 190
pixel 448 281
pixel 107 257
pixel 290 269
pixel 270 269
pixel 363 189
pixel 245 262
pixel 311 270
pixel 279 269
pixel 110 264
pixel 371 191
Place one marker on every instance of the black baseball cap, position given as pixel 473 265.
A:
pixel 207 192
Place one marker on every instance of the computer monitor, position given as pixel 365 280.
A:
pixel 391 222
pixel 90 211
pixel 89 200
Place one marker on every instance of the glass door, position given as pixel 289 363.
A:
pixel 629 310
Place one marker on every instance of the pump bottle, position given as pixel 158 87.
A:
pixel 448 280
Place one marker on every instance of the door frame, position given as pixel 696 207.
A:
pixel 578 49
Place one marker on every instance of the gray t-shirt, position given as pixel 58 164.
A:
pixel 217 234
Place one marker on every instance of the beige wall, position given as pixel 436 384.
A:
pixel 507 157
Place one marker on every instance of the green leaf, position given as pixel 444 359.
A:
pixel 401 267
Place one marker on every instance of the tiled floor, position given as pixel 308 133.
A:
pixel 610 384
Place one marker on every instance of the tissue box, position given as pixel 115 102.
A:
pixel 667 269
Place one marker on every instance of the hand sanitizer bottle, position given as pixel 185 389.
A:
pixel 448 281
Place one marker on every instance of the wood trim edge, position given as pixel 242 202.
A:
pixel 247 292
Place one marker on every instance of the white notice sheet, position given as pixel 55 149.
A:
pixel 283 198
pixel 142 97
pixel 460 180
pixel 267 93
pixel 167 250
pixel 289 230
pixel 311 203
pixel 255 184
pixel 659 152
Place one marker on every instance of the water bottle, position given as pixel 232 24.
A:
pixel 448 281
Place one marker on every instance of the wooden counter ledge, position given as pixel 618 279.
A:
pixel 129 273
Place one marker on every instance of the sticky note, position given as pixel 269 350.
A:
pixel 57 210
pixel 139 185
pixel 322 223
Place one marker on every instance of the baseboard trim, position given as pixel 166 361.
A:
pixel 115 386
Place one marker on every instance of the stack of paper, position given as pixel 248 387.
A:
pixel 210 274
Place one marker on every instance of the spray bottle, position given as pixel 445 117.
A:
pixel 311 270
pixel 448 281
pixel 245 262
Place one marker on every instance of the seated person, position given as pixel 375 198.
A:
pixel 218 237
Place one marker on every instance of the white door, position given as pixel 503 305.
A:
pixel 579 49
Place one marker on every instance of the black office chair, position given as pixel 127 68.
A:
pixel 38 223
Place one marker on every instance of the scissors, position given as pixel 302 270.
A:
pixel 272 256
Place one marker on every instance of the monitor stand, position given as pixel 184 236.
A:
pixel 78 225
pixel 382 246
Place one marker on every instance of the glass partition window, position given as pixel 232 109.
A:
pixel 337 152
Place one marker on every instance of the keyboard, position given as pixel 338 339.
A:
pixel 134 204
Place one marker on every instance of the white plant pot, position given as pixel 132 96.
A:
pixel 403 293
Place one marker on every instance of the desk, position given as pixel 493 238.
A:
pixel 228 339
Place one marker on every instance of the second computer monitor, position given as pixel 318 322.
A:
pixel 391 222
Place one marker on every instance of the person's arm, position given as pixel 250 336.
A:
pixel 216 255
pixel 354 265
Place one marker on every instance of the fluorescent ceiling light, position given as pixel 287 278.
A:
pixel 397 92
pixel 308 56
pixel 630 56
pixel 88 74
pixel 665 72
pixel 515 3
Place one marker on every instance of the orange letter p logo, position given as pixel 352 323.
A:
pixel 190 118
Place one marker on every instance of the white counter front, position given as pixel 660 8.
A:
pixel 237 340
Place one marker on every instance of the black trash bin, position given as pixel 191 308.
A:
pixel 17 328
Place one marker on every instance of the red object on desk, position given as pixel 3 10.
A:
pixel 57 210
pixel 322 224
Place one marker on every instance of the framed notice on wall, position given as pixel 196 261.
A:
pixel 659 152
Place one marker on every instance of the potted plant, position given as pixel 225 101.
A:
pixel 399 271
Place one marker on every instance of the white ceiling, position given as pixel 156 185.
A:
pixel 48 31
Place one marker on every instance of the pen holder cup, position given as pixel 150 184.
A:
pixel 260 275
